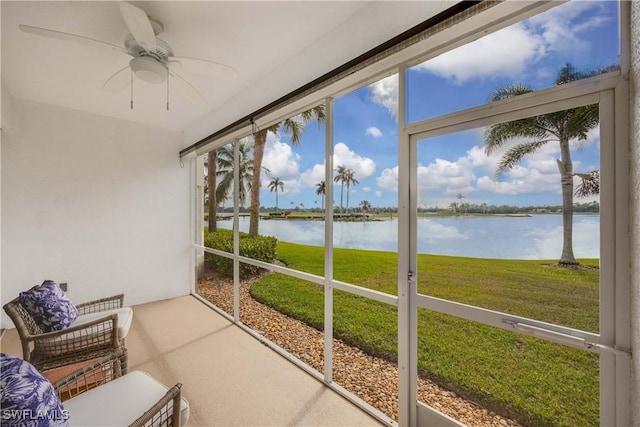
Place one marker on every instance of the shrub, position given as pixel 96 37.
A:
pixel 261 248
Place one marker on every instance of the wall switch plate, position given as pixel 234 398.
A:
pixel 63 286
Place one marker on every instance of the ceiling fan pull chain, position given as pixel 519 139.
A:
pixel 132 89
pixel 167 89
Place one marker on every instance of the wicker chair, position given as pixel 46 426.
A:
pixel 94 334
pixel 100 394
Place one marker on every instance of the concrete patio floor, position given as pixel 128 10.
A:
pixel 229 377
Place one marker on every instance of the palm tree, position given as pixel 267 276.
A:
pixel 460 205
pixel 211 184
pixel 562 127
pixel 349 180
pixel 273 186
pixel 365 206
pixel 341 176
pixel 320 190
pixel 294 126
pixel 225 172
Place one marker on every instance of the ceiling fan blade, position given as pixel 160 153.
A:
pixel 53 34
pixel 186 89
pixel 118 81
pixel 203 67
pixel 138 23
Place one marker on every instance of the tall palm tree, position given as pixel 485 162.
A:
pixel 320 190
pixel 349 179
pixel 365 205
pixel 211 184
pixel 341 176
pixel 273 186
pixel 460 205
pixel 561 127
pixel 294 126
pixel 225 171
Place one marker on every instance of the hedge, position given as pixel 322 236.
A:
pixel 260 248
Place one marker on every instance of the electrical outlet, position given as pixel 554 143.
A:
pixel 64 286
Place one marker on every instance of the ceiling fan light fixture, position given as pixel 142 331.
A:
pixel 148 70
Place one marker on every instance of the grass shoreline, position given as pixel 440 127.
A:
pixel 534 381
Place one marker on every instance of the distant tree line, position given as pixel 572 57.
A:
pixel 474 208
pixel 468 208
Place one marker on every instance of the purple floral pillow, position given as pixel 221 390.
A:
pixel 49 307
pixel 27 398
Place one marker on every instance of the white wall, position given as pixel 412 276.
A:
pixel 634 187
pixel 100 203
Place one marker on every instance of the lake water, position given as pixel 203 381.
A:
pixel 533 237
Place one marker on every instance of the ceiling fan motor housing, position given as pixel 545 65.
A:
pixel 149 66
pixel 162 51
pixel 149 69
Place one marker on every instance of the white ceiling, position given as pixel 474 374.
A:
pixel 275 47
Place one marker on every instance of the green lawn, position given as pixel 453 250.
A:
pixel 536 382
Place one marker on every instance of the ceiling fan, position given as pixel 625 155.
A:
pixel 153 60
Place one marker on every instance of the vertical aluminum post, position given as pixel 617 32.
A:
pixel 197 217
pixel 407 367
pixel 623 310
pixel 236 230
pixel 328 242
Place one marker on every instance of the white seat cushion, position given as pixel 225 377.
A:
pixel 125 317
pixel 119 402
pixel 53 348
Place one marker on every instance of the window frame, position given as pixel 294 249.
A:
pixel 611 343
pixel 611 90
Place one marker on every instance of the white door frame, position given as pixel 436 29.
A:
pixel 613 342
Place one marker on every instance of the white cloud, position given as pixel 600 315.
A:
pixel 385 93
pixel 536 173
pixel 546 165
pixel 312 176
pixel 366 189
pixel 510 52
pixel 374 132
pixel 517 172
pixel 280 159
pixel 379 194
pixel 560 33
pixel 475 171
pixel 388 179
pixel 513 51
pixel 442 175
pixel 479 159
pixel 364 167
pixel 521 180
pixel 449 177
pixel 507 52
pixel 543 159
pixel 503 53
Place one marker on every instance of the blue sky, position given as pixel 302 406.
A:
pixel 583 33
